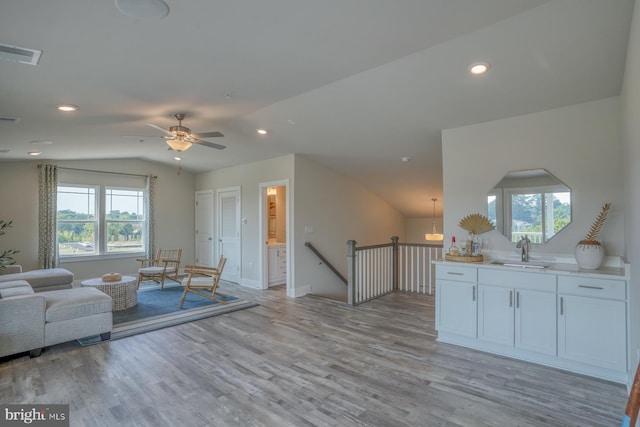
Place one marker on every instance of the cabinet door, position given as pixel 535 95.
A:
pixel 593 331
pixel 495 314
pixel 273 264
pixel 535 321
pixel 457 307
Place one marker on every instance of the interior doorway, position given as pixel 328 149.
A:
pixel 275 234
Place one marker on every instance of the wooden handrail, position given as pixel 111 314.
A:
pixel 324 260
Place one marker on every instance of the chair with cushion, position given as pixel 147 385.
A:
pixel 165 264
pixel 203 280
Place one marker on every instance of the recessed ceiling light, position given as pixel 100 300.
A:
pixel 67 108
pixel 262 131
pixel 479 68
pixel 34 153
pixel 38 142
pixel 405 159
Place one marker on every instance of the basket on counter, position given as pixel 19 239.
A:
pixel 464 258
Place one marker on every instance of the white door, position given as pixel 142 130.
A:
pixel 229 232
pixel 495 314
pixel 458 309
pixel 536 322
pixel 204 228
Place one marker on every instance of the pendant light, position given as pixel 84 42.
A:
pixel 434 233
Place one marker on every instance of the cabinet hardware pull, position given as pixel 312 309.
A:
pixel 561 306
pixel 518 299
pixel 510 298
pixel 591 287
pixel 473 293
pixel 455 274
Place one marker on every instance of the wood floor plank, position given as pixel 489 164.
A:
pixel 305 362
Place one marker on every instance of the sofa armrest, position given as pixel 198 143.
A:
pixel 21 324
pixel 11 269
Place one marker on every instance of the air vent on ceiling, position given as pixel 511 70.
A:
pixel 19 54
pixel 9 120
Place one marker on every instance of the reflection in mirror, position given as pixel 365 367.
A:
pixel 531 202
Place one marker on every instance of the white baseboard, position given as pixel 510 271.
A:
pixel 301 291
pixel 250 283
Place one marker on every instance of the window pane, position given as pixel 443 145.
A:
pixel 76 238
pixel 77 203
pixel 125 223
pixel 526 217
pixel 76 217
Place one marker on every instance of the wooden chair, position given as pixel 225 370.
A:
pixel 633 404
pixel 203 280
pixel 165 264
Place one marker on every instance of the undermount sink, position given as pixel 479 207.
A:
pixel 521 264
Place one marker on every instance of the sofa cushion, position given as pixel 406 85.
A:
pixel 56 277
pixel 15 288
pixel 15 292
pixel 73 303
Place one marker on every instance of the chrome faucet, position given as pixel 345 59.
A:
pixel 523 244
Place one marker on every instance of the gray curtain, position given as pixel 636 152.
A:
pixel 47 231
pixel 151 217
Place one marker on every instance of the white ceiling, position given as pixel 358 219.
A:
pixel 365 81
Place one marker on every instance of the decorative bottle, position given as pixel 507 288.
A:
pixel 453 249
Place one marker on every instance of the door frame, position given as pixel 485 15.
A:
pixel 263 234
pixel 238 190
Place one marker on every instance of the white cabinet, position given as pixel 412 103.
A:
pixel 592 322
pixel 576 321
pixel 512 315
pixel 456 310
pixel 277 264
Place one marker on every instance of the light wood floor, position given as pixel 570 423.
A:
pixel 307 361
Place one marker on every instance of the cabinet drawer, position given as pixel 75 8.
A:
pixel 518 279
pixel 593 287
pixel 457 273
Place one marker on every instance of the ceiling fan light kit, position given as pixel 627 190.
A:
pixel 179 138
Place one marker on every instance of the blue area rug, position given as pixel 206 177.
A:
pixel 158 309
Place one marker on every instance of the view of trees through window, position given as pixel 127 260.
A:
pixel 538 215
pixel 80 220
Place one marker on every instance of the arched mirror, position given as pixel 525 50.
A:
pixel 531 202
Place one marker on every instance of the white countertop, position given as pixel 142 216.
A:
pixel 613 266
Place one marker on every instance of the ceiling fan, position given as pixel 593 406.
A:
pixel 180 138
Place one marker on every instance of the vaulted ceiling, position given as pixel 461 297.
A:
pixel 353 84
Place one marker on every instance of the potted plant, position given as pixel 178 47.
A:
pixel 589 251
pixel 6 258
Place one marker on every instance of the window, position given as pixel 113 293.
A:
pixel 125 223
pixel 96 220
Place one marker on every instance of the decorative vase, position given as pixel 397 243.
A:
pixel 589 255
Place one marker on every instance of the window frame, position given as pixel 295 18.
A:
pixel 101 244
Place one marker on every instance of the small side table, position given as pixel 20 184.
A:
pixel 123 292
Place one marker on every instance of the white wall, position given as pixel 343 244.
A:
pixel 337 209
pixel 174 212
pixel 580 144
pixel 631 150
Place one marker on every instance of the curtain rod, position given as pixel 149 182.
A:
pixel 112 173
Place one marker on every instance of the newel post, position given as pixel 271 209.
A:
pixel 351 272
pixel 394 245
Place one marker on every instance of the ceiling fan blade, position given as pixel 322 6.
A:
pixel 159 128
pixel 207 143
pixel 143 137
pixel 207 135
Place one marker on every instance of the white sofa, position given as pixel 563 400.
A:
pixel 31 319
